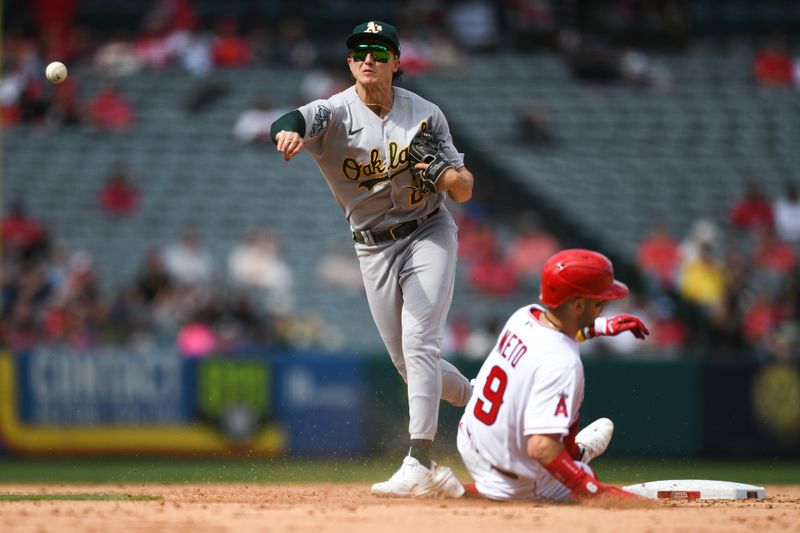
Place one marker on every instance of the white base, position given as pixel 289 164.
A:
pixel 696 489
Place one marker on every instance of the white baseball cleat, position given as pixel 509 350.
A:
pixel 414 480
pixel 594 438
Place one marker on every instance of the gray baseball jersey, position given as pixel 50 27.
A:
pixel 409 281
pixel 364 158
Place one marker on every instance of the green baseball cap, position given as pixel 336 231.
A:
pixel 377 31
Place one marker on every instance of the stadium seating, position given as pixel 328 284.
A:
pixel 622 156
pixel 625 155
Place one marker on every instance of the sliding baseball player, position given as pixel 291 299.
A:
pixel 518 436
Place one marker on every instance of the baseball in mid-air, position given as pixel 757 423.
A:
pixel 56 72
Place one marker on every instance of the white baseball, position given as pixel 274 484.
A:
pixel 56 72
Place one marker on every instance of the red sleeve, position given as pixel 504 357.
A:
pixel 569 441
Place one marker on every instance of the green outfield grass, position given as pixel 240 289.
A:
pixel 196 470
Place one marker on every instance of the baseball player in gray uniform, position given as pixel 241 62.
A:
pixel 389 160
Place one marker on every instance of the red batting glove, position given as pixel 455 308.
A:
pixel 617 324
pixel 581 484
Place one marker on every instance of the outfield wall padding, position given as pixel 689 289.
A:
pixel 307 404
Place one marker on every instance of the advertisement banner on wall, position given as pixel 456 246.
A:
pixel 326 404
pixel 115 388
pixel 112 403
pixel 118 402
pixel 321 400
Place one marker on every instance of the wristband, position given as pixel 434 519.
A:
pixel 584 334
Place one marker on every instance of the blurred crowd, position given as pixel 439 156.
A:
pixel 727 292
pixel 436 35
pixel 722 291
pixel 735 287
pixel 180 297
pixel 600 42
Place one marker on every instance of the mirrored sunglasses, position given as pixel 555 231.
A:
pixel 381 54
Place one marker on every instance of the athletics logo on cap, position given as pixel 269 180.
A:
pixel 375 31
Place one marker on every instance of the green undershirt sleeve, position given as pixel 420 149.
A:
pixel 291 121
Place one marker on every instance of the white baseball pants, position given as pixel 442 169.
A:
pixel 497 485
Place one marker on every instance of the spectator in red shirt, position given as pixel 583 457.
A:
pixel 118 198
pixel 753 212
pixel 23 235
pixel 760 319
pixel 774 256
pixel 109 110
pixel 493 276
pixel 55 323
pixel 658 257
pixel 230 49
pixel 477 241
pixel 773 64
pixel 55 25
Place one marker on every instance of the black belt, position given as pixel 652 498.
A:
pixel 392 234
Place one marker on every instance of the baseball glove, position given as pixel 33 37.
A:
pixel 426 148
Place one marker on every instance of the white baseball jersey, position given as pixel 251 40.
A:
pixel 531 383
pixel 364 157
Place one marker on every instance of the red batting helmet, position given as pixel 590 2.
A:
pixel 577 272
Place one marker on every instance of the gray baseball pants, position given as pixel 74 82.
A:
pixel 409 284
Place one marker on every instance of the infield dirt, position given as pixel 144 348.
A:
pixel 349 508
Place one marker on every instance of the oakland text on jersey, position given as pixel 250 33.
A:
pixel 511 347
pixel 375 169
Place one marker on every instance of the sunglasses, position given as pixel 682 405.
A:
pixel 381 54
